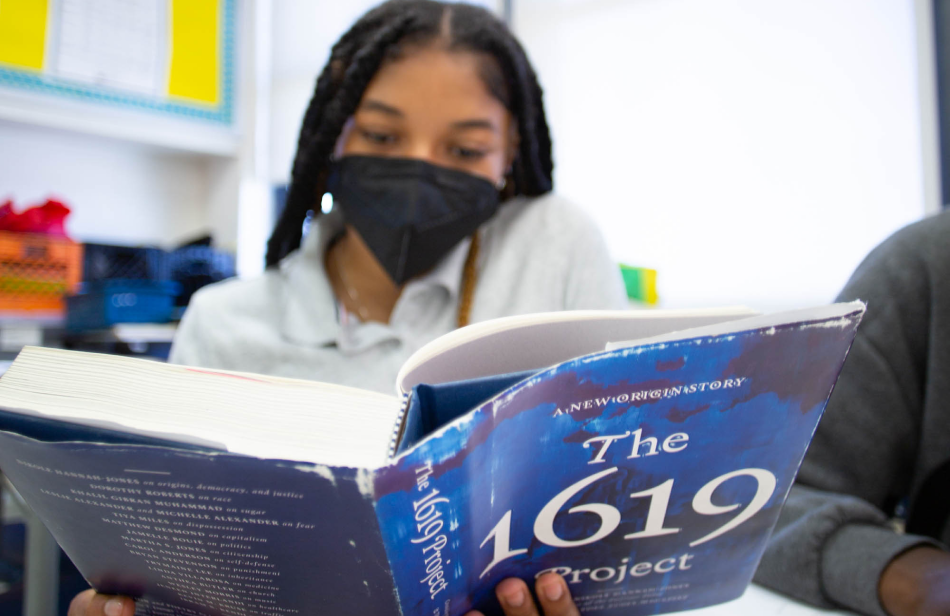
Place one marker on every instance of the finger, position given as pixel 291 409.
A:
pixel 554 596
pixel 77 607
pixel 108 605
pixel 515 598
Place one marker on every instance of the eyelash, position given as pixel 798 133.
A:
pixel 378 138
pixel 387 139
pixel 466 153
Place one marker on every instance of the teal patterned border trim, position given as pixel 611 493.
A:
pixel 222 114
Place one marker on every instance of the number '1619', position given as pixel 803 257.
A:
pixel 610 515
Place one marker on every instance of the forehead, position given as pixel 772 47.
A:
pixel 436 84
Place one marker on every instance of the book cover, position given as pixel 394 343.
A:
pixel 650 477
pixel 208 533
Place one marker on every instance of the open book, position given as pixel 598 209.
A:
pixel 643 455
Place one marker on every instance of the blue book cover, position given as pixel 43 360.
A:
pixel 649 476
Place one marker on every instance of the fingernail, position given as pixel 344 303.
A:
pixel 515 598
pixel 113 607
pixel 552 591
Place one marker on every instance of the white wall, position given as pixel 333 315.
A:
pixel 751 150
pixel 119 191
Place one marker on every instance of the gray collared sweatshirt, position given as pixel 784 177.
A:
pixel 883 447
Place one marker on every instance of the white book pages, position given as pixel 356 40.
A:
pixel 537 341
pixel 255 415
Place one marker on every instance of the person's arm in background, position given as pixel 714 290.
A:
pixel 833 546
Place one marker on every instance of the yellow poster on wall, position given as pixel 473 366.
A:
pixel 174 57
pixel 23 33
pixel 193 73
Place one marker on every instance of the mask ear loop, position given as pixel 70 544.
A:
pixel 506 185
pixel 469 278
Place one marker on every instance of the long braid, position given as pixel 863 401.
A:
pixel 533 167
pixel 316 146
pixel 354 61
pixel 289 229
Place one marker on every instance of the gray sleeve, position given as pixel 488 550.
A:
pixel 830 549
pixel 833 541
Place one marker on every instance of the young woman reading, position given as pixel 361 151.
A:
pixel 427 128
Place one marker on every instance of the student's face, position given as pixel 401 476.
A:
pixel 432 105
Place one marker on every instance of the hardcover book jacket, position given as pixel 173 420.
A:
pixel 649 477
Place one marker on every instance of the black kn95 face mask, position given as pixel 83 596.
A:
pixel 409 212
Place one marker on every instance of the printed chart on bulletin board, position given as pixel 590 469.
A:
pixel 173 58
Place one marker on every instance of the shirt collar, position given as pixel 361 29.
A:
pixel 310 307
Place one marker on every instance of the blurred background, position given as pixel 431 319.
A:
pixel 746 151
pixel 750 151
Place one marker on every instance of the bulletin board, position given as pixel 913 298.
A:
pixel 174 58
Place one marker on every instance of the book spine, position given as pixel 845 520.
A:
pixel 398 426
pixel 420 528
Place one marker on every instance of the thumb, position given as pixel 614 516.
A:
pixel 90 603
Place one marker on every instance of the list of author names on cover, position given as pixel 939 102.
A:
pixel 202 542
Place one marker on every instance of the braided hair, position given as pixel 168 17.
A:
pixel 382 34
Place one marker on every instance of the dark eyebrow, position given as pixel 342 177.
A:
pixel 371 105
pixel 374 105
pixel 467 124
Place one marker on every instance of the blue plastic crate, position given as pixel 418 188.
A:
pixel 104 303
pixel 196 266
pixel 113 262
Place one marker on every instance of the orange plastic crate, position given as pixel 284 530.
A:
pixel 36 273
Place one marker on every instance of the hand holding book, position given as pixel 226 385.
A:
pixel 552 592
pixel 91 603
pixel 513 594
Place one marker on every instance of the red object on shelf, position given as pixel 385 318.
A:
pixel 39 264
pixel 46 219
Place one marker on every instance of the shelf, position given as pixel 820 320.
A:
pixel 146 128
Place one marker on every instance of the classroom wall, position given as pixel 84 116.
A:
pixel 752 151
pixel 141 178
pixel 120 191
